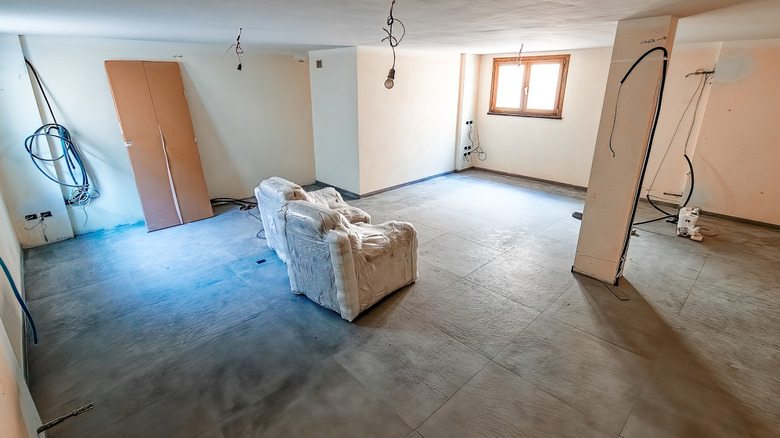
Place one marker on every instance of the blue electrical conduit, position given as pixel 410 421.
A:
pixel 20 300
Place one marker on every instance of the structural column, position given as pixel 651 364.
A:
pixel 622 146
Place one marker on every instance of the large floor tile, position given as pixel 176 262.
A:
pixel 323 400
pixel 731 314
pixel 497 403
pixel 633 324
pixel 523 281
pixel 457 255
pixel 667 290
pixel 545 251
pixel 407 362
pixel 432 280
pixel 473 315
pixel 594 377
pixel 742 368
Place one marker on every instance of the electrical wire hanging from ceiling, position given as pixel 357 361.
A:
pixel 394 42
pixel 520 54
pixel 237 46
pixel 81 192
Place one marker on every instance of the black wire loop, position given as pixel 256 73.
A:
pixel 390 38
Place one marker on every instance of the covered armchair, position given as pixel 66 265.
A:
pixel 273 194
pixel 347 267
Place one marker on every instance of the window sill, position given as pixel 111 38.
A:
pixel 535 116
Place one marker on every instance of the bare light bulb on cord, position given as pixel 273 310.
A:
pixel 393 41
pixel 390 77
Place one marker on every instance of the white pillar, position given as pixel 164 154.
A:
pixel 625 128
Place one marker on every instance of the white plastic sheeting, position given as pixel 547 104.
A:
pixel 347 267
pixel 273 194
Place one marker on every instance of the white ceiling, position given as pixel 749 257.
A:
pixel 471 26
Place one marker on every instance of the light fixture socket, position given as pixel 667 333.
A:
pixel 390 77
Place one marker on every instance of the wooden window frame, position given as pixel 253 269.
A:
pixel 528 61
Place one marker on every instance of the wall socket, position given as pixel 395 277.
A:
pixel 45 214
pixel 30 217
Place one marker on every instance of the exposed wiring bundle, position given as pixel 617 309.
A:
pixel 77 179
pixel 474 146
pixel 394 42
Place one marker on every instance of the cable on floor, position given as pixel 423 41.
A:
pixel 244 204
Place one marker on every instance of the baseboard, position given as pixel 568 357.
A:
pixel 344 193
pixel 529 178
pixel 676 207
pixel 739 219
pixel 386 189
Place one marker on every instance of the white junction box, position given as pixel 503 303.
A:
pixel 686 223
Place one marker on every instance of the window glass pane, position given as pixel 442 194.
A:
pixel 509 92
pixel 543 86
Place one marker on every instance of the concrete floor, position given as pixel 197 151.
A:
pixel 182 333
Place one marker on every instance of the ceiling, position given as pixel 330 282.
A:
pixel 470 26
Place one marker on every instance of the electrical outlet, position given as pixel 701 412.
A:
pixel 45 214
pixel 30 217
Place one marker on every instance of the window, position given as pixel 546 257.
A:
pixel 532 87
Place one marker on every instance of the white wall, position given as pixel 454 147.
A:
pixel 334 106
pixel 18 416
pixel 26 191
pixel 408 132
pixel 738 153
pixel 552 149
pixel 10 312
pixel 467 106
pixel 250 124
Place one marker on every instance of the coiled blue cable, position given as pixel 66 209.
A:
pixel 20 300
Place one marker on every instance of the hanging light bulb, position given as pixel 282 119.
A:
pixel 393 41
pixel 389 81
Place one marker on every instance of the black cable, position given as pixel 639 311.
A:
pixel 20 300
pixel 40 87
pixel 671 216
pixel 476 148
pixel 244 204
pixel 649 140
pixel 390 38
pixel 700 91
pixel 660 93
